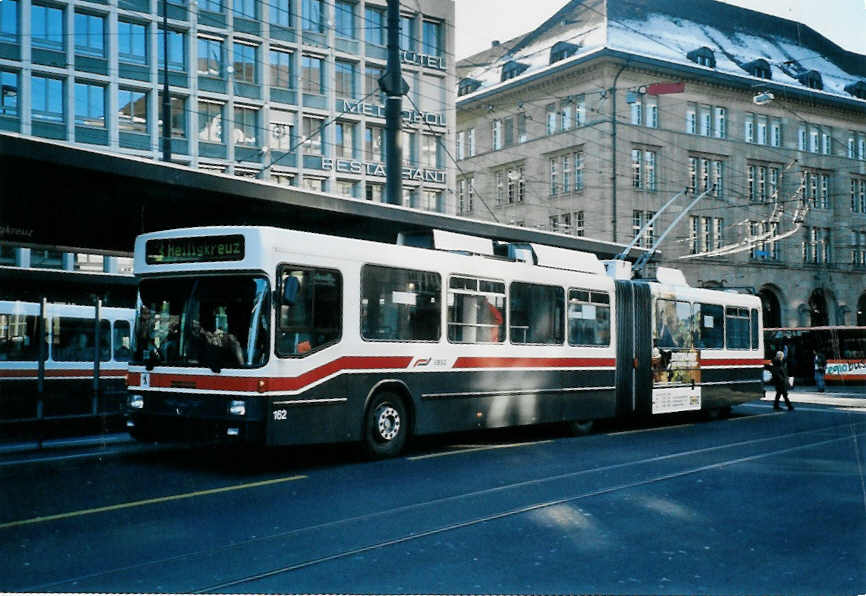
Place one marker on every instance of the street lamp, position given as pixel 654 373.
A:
pixel 762 98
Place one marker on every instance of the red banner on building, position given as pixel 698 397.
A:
pixel 662 88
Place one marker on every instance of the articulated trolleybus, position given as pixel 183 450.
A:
pixel 278 337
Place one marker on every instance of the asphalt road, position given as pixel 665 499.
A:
pixel 763 502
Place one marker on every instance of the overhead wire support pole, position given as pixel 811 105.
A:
pixel 647 255
pixel 166 98
pixel 622 256
pixel 395 87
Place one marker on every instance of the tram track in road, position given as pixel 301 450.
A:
pixel 459 501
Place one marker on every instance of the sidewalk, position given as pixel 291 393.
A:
pixel 846 396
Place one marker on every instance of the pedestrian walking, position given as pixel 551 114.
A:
pixel 779 370
pixel 820 368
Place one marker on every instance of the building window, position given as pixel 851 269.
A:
pixel 705 121
pixel 816 246
pixel 430 155
pixel 131 42
pixel 858 249
pixel 551 119
pixel 245 63
pixel 8 93
pixel 749 128
pixel 245 8
pixel 638 220
pixel 176 50
pixel 692 119
pixel 345 17
pixel 210 57
pixel 280 12
pixel 721 122
pixel 282 130
pixel 314 184
pixel 762 183
pixel 407 33
pixel 465 194
pixel 706 174
pixel 460 145
pixel 763 249
pixel 132 111
pixel 178 116
pixel 47 98
pixel 372 74
pixel 643 166
pixel 470 142
pixel 344 140
pixel 312 129
pixel 246 125
pixel 313 16
pixel 775 132
pixel 210 122
pixel 89 34
pixel 706 234
pixel 374 192
pixel 579 223
pixel 432 38
pixel 578 170
pixel 312 75
pixel 9 19
pixel 283 178
pixel 818 189
pixel 374 143
pixel 47 27
pixel 496 134
pixel 374 27
pixel 344 79
pixel 89 105
pixel 282 75
pixel 554 182
pixel 858 195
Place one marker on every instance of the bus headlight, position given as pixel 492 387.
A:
pixel 238 407
pixel 136 402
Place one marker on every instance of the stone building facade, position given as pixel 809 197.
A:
pixel 589 124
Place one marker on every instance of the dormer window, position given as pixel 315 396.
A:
pixel 812 79
pixel 467 86
pixel 759 68
pixel 512 69
pixel 857 89
pixel 562 50
pixel 703 56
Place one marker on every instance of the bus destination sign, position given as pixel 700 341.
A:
pixel 201 249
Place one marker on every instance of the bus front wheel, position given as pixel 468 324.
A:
pixel 386 426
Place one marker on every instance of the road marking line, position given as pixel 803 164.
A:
pixel 471 449
pixel 647 430
pixel 212 491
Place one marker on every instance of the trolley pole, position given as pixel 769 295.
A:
pixel 166 98
pixel 394 86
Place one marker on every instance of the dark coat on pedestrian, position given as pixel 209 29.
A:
pixel 779 371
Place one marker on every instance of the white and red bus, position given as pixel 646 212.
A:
pixel 59 378
pixel 276 336
pixel 843 347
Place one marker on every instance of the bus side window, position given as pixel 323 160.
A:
pixel 18 337
pixel 122 350
pixel 309 314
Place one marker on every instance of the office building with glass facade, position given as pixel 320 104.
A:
pixel 279 90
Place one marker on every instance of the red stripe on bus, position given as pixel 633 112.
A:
pixel 732 361
pixel 482 362
pixel 249 384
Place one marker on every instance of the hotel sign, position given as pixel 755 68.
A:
pixel 372 168
pixel 377 111
pixel 416 59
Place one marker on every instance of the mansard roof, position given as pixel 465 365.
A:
pixel 675 32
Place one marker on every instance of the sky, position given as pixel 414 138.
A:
pixel 479 22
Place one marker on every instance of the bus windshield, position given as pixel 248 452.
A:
pixel 221 321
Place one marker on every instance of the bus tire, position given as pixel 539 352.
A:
pixel 580 427
pixel 386 426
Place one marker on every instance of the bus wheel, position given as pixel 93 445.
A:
pixel 386 426
pixel 580 427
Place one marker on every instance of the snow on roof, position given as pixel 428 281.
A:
pixel 668 37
